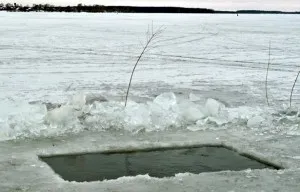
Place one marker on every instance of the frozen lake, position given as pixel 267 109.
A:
pixel 42 54
pixel 50 57
pixel 202 81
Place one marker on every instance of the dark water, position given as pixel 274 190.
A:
pixel 156 163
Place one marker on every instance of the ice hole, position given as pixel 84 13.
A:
pixel 159 162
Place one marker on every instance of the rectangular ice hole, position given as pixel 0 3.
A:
pixel 158 163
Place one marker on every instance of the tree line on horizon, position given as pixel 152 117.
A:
pixel 14 7
pixel 99 8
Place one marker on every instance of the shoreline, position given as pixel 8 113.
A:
pixel 130 9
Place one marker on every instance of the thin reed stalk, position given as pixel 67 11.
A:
pixel 293 89
pixel 150 38
pixel 267 74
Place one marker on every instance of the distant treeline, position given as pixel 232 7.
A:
pixel 123 9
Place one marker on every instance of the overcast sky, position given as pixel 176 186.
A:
pixel 286 5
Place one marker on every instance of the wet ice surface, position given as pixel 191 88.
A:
pixel 62 90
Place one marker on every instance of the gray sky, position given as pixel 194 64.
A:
pixel 286 5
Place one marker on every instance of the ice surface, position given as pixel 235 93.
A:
pixel 22 170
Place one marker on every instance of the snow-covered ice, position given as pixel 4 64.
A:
pixel 63 80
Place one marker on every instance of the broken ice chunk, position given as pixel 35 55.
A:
pixel 255 122
pixel 214 107
pixel 166 100
pixel 193 97
pixel 191 111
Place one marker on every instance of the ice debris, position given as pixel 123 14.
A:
pixel 86 112
pixel 255 122
pixel 214 107
pixel 193 97
pixel 164 112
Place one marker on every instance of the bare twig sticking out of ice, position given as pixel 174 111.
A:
pixel 293 89
pixel 266 82
pixel 150 38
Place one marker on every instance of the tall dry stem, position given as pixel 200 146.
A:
pixel 150 38
pixel 293 89
pixel 266 82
